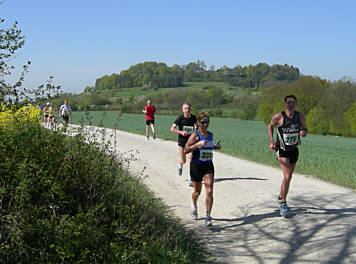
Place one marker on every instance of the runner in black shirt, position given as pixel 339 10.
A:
pixel 186 126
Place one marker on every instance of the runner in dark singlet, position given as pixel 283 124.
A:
pixel 290 126
pixel 201 165
pixel 186 126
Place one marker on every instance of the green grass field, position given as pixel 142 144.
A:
pixel 327 157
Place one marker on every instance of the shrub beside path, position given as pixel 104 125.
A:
pixel 247 226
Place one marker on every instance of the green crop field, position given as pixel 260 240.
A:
pixel 327 157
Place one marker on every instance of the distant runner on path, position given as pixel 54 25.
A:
pixel 290 126
pixel 186 126
pixel 65 112
pixel 51 115
pixel 150 111
pixel 201 144
pixel 45 114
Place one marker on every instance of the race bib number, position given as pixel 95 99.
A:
pixel 291 139
pixel 206 154
pixel 188 129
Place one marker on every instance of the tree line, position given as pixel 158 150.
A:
pixel 158 75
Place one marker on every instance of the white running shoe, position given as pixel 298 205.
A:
pixel 194 211
pixel 208 221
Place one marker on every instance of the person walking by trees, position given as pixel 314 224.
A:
pixel 150 111
pixel 290 126
pixel 65 112
pixel 200 143
pixel 186 126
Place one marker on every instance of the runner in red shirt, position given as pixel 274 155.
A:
pixel 150 111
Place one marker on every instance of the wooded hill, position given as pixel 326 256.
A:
pixel 246 92
pixel 157 75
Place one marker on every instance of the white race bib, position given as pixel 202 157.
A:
pixel 206 154
pixel 188 129
pixel 291 139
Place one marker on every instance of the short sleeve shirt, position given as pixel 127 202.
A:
pixel 185 124
pixel 150 114
pixel 64 110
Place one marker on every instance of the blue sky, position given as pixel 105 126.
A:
pixel 78 41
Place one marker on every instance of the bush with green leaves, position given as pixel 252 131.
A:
pixel 66 201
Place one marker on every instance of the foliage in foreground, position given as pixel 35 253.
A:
pixel 12 113
pixel 62 200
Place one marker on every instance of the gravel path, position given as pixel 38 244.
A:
pixel 247 227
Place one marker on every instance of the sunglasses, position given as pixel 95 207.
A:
pixel 290 102
pixel 204 122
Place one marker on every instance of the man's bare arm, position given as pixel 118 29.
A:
pixel 178 132
pixel 274 122
pixel 304 129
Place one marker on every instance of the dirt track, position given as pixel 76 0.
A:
pixel 247 227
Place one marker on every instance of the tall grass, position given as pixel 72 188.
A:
pixel 327 157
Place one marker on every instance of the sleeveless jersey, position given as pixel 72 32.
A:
pixel 288 137
pixel 51 111
pixel 204 154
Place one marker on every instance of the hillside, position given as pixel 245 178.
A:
pixel 249 92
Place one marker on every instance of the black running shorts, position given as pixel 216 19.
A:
pixel 182 142
pixel 292 155
pixel 148 122
pixel 65 118
pixel 199 170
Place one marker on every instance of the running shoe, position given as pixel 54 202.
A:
pixel 279 200
pixel 190 182
pixel 208 221
pixel 154 136
pixel 284 209
pixel 194 212
pixel 180 171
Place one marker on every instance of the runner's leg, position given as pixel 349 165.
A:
pixel 196 192
pixel 147 131
pixel 209 184
pixel 189 160
pixel 287 169
pixel 153 130
pixel 182 157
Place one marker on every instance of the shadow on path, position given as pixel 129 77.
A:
pixel 322 231
pixel 239 178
